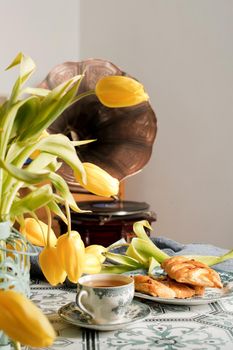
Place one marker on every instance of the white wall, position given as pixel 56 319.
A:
pixel 183 53
pixel 47 30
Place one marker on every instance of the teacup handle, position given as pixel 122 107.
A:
pixel 80 305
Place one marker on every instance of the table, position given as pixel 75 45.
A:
pixel 169 327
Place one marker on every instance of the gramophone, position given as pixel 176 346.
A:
pixel 124 140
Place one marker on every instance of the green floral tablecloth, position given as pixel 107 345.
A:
pixel 169 327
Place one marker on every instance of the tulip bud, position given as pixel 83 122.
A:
pixel 51 266
pixel 96 250
pixel 71 252
pixel 98 181
pixel 23 321
pixel 36 232
pixel 120 91
pixel 92 264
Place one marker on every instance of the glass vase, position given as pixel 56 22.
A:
pixel 15 252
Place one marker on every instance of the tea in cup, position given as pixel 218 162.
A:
pixel 105 297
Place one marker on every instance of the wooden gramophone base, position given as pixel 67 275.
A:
pixel 109 221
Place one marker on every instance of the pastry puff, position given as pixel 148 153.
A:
pixel 147 285
pixel 164 287
pixel 190 271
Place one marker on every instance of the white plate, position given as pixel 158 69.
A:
pixel 136 311
pixel 211 294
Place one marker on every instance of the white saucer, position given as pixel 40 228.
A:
pixel 136 311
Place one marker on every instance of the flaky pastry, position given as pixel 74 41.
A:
pixel 147 285
pixel 165 287
pixel 185 270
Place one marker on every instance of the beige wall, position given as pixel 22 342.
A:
pixel 183 53
pixel 47 30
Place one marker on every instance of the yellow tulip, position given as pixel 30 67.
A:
pixel 92 264
pixel 23 321
pixel 71 252
pixel 98 181
pixel 51 266
pixel 32 230
pixel 96 250
pixel 36 153
pixel 120 91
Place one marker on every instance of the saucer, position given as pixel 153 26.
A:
pixel 211 295
pixel 136 311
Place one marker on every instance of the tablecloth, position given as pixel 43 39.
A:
pixel 169 327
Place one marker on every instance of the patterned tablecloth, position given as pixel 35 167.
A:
pixel 169 327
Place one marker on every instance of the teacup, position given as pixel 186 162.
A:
pixel 105 297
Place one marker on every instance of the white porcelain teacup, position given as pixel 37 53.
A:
pixel 105 297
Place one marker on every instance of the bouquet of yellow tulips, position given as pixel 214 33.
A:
pixel 24 118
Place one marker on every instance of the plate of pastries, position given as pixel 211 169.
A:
pixel 184 281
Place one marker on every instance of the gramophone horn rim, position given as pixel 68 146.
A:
pixel 125 136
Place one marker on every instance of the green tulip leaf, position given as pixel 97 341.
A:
pixel 135 254
pixel 24 175
pixel 123 259
pixel 81 143
pixel 36 165
pixel 54 166
pixel 41 161
pixel 26 113
pixel 63 190
pixel 20 220
pixel 32 201
pixel 16 61
pixel 60 146
pixel 152 264
pixel 211 260
pixel 62 89
pixel 147 249
pixel 54 207
pixel 13 152
pixel 51 107
pixel 118 244
pixel 22 123
pixel 27 67
pixel 36 91
pixel 138 228
pixel 224 257
pixel 202 258
pixel 7 122
pixel 116 268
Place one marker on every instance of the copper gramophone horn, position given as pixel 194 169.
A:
pixel 125 136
